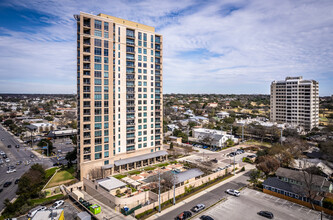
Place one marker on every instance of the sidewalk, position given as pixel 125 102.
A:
pixel 163 212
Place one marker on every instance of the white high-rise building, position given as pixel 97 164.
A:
pixel 295 101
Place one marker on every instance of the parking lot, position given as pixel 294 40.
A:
pixel 70 211
pixel 220 159
pixel 250 202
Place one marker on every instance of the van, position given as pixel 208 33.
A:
pixel 33 211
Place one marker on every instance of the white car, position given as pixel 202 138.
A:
pixel 7 160
pixel 57 204
pixel 11 171
pixel 33 212
pixel 233 192
pixel 198 208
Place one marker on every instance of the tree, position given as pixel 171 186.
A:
pixel 254 176
pixel 44 143
pixel 230 143
pixel 171 146
pixel 267 164
pixel 71 156
pixel 8 122
pixel 207 139
pixel 327 149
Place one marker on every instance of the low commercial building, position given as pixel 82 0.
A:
pixel 62 133
pixel 295 185
pixel 222 115
pixel 212 137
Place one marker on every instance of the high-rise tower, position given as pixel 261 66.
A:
pixel 295 101
pixel 119 88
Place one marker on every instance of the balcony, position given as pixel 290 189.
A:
pixel 86 31
pixel 130 78
pixel 86 58
pixel 86 66
pixel 157 47
pixel 86 42
pixel 130 42
pixel 86 49
pixel 86 24
pixel 130 34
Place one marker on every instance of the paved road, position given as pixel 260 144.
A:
pixel 15 154
pixel 210 197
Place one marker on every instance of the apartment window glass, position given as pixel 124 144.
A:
pixel 106 74
pixel 106 154
pixel 98 33
pixel 98 74
pixel 139 50
pixel 98 82
pixel 98 118
pixel 106 60
pixel 98 51
pixel 98 42
pixel 106 67
pixel 140 36
pixel 145 37
pixel 98 59
pixel 106 52
pixel 106 26
pixel 139 57
pixel 106 140
pixel 98 156
pixel 98 134
pixel 98 24
pixel 106 44
pixel 145 44
pixel 98 66
pixel 98 89
pixel 98 97
pixel 106 82
pixel 106 34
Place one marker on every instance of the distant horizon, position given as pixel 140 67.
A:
pixel 163 94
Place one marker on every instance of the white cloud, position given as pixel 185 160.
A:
pixel 207 46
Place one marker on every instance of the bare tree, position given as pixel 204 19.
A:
pixel 267 164
pixel 95 173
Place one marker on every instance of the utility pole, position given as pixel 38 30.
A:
pixel 174 189
pixel 159 191
pixel 281 137
pixel 242 133
pixel 234 165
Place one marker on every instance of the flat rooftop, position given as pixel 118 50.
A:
pixel 110 183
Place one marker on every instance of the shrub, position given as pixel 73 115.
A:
pixel 328 203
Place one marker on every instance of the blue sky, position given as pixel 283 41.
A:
pixel 231 46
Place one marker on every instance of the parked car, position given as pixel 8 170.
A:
pixel 11 219
pixel 4 156
pixel 1 190
pixel 184 215
pixel 2 153
pixel 17 146
pixel 198 208
pixel 9 146
pixel 233 192
pixel 214 160
pixel 7 184
pixel 27 163
pixel 33 211
pixel 17 181
pixel 19 162
pixel 7 160
pixel 11 171
pixel 32 155
pixel 232 154
pixel 251 156
pixel 240 150
pixel 57 204
pixel 206 217
pixel 2 139
pixel 266 214
pixel 1 161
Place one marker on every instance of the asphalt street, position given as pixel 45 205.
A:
pixel 210 198
pixel 15 154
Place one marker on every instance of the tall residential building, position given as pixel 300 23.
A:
pixel 119 89
pixel 295 101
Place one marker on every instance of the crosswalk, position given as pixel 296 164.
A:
pixel 37 160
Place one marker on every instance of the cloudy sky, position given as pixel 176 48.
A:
pixel 222 46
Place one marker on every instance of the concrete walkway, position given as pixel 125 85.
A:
pixel 247 167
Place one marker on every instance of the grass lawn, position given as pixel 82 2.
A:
pixel 60 178
pixel 50 172
pixel 45 200
pixel 119 176
pixel 162 164
pixel 258 143
pixel 134 172
pixel 149 168
pixel 323 119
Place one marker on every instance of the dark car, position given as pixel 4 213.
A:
pixel 184 215
pixel 7 184
pixel 214 160
pixel 32 155
pixel 17 181
pixel 266 214
pixel 206 217
pixel 1 190
pixel 4 156
pixel 9 146
pixel 57 164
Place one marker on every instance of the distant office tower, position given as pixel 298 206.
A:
pixel 119 83
pixel 295 101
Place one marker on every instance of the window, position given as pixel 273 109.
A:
pixel 98 66
pixel 106 154
pixel 98 51
pixel 98 118
pixel 98 97
pixel 106 34
pixel 106 26
pixel 106 52
pixel 106 44
pixel 98 24
pixel 98 74
pixel 98 42
pixel 98 156
pixel 98 59
pixel 98 33
pixel 98 81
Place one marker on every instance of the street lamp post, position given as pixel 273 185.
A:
pixel 159 191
